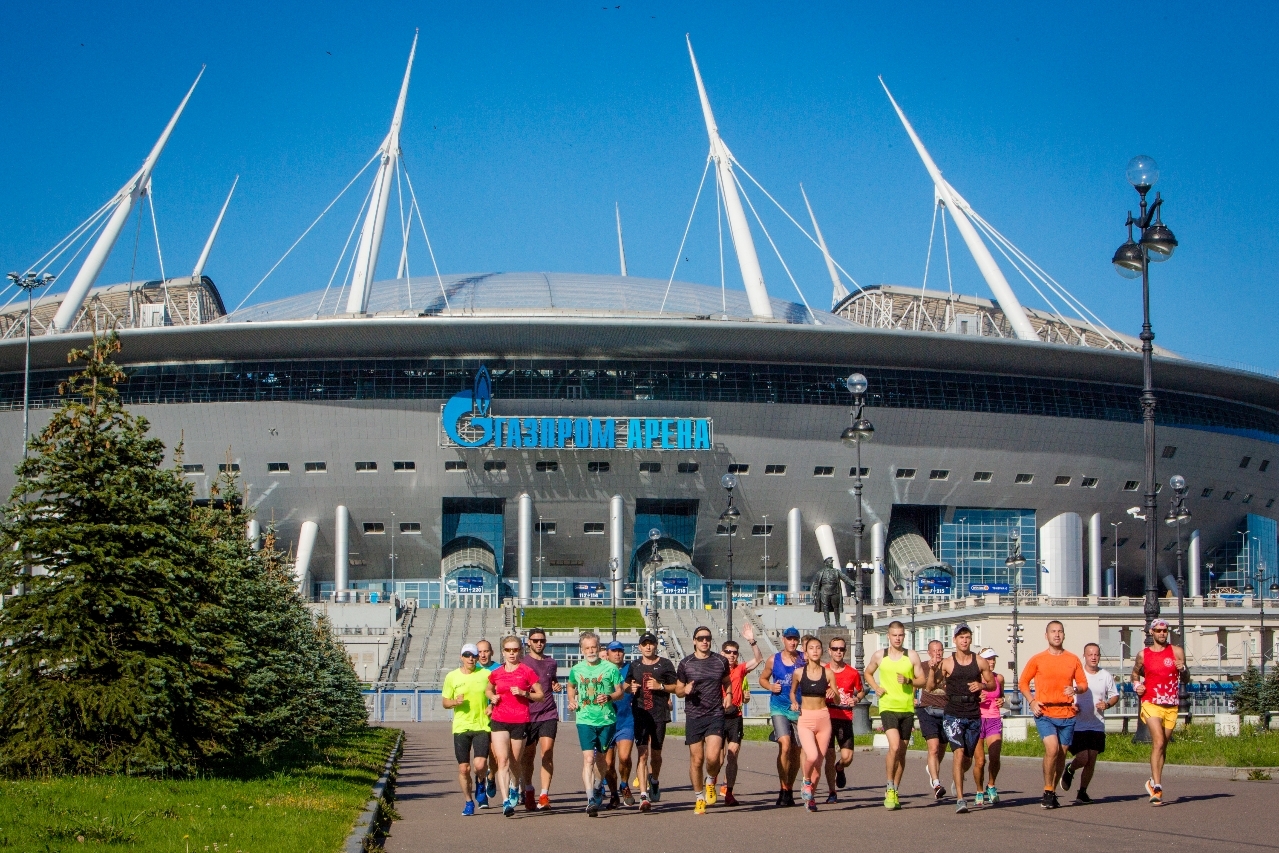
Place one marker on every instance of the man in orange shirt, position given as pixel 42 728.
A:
pixel 1057 675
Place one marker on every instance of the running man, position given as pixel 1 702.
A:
pixel 594 684
pixel 1157 675
pixel 967 675
pixel 465 692
pixel 991 744
pixel 809 693
pixel 931 712
pixel 543 724
pixel 486 661
pixel 651 710
pixel 1058 677
pixel 1090 724
pixel 848 692
pixel 776 678
pixel 733 722
pixel 619 754
pixel 899 672
pixel 513 687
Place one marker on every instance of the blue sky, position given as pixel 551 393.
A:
pixel 526 122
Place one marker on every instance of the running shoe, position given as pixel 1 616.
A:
pixel 832 798
pixel 645 805
pixel 468 809
pixel 543 802
pixel 807 792
pixel 635 783
pixel 614 801
pixel 628 799
pixel 723 790
pixel 840 779
pixel 892 801
pixel 1156 792
pixel 1082 798
pixel 700 807
pixel 654 790
pixel 788 797
pixel 1052 795
pixel 992 795
pixel 592 807
pixel 482 797
pixel 711 794
pixel 508 809
pixel 1067 776
pixel 939 791
pixel 979 798
pixel 961 807
pixel 1046 802
pixel 729 799
pixel 492 786
pixel 812 805
pixel 530 800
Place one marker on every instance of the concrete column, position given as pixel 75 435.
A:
pixel 794 548
pixel 254 534
pixel 302 564
pixel 1061 545
pixel 524 549
pixel 826 543
pixel 1094 554
pixel 879 580
pixel 1194 582
pixel 616 512
pixel 341 553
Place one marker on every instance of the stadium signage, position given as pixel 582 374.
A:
pixel 467 420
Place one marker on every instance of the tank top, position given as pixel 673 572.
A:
pixel 960 701
pixel 1161 676
pixel 989 710
pixel 779 703
pixel 896 697
pixel 815 687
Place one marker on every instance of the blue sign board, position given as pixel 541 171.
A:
pixel 934 586
pixel 470 585
pixel 588 590
pixel 983 588
pixel 674 586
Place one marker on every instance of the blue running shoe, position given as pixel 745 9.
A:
pixel 492 788
pixel 482 797
pixel 468 809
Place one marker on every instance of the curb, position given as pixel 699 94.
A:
pixel 368 820
pixel 1201 771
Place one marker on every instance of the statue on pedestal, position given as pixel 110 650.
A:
pixel 828 590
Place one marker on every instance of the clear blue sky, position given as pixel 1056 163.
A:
pixel 526 122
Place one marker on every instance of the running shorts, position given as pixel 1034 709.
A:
pixel 698 729
pixel 841 733
pixel 930 723
pixel 992 727
pixel 517 731
pixel 1166 713
pixel 1062 728
pixel 962 732
pixel 541 729
pixel 649 732
pixel 903 722
pixel 783 726
pixel 465 742
pixel 733 729
pixel 624 731
pixel 1083 741
pixel 595 738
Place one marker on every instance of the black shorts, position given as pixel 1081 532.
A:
pixel 733 730
pixel 517 731
pixel 1082 741
pixel 841 733
pixel 902 721
pixel 698 729
pixel 465 742
pixel 648 731
pixel 930 724
pixel 539 730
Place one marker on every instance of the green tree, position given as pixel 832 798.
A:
pixel 1249 691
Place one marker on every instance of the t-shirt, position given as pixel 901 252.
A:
pixel 1101 688
pixel 783 674
pixel 545 708
pixel 935 698
pixel 590 681
pixel 510 708
pixel 1163 680
pixel 848 683
pixel 652 702
pixel 736 677
pixel 990 709
pixel 707 677
pixel 623 705
pixel 472 714
pixel 490 666
pixel 1052 674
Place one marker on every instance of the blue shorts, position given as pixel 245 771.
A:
pixel 597 738
pixel 1061 728
pixel 962 732
pixel 625 730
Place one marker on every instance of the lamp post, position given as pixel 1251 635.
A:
pixel 767 536
pixel 910 574
pixel 1116 525
pixel 861 430
pixel 1132 260
pixel 613 565
pixel 1177 515
pixel 28 282
pixel 729 518
pixel 654 557
pixel 1261 597
pixel 1014 563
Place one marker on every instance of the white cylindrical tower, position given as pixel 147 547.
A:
pixel 524 549
pixel 879 580
pixel 1195 582
pixel 616 509
pixel 794 549
pixel 253 533
pixel 1094 554
pixel 341 553
pixel 1061 547
pixel 302 564
pixel 826 544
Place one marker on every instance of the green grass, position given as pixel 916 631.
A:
pixel 566 618
pixel 304 803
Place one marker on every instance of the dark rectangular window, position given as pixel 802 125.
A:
pixel 722 530
pixel 1265 463
pixel 593 528
pixel 1243 463
pixel 374 527
pixel 547 527
pixel 366 467
pixel 1089 482
pixel 775 470
pixel 1169 451
pixel 232 468
pixel 193 469
pixel 277 467
pixel 650 467
pixel 824 471
pixel 411 528
pixel 546 465
pixel 315 467
pixel 454 464
pixel 939 474
pixel 597 467
pixel 1170 545
pixel 494 464
pixel 1270 503
pixel 1024 479
pixel 1132 485
pixel 1206 493
pixel 852 472
pixel 1123 540
pixel 983 476
pixel 905 473
pixel 1225 496
pixel 410 465
pixel 1062 481
pixel 739 468
pixel 687 467
pixel 1247 499
pixel 761 530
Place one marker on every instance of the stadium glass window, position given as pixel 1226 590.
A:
pixel 454 464
pixel 1169 451
pixel 687 467
pixel 1123 540
pixel 1265 463
pixel 939 474
pixel 277 467
pixel 403 465
pixel 597 467
pixel 775 470
pixel 232 468
pixel 1024 479
pixel 739 468
pixel 824 471
pixel 1170 545
pixel 1159 487
pixel 411 528
pixel 593 528
pixel 193 470
pixel 650 467
pixel 852 472
pixel 723 530
pixel 1247 499
pixel 1089 482
pixel 546 465
pixel 315 467
pixel 761 530
pixel 1243 463
pixel 494 464
pixel 983 476
pixel 1062 481
pixel 1270 503
pixel 547 527
pixel 905 473
pixel 1206 493
pixel 366 467
pixel 374 527
pixel 1132 485
pixel 1225 496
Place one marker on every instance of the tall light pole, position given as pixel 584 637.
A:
pixel 861 430
pixel 541 589
pixel 1177 515
pixel 1133 259
pixel 729 518
pixel 1014 563
pixel 1116 525
pixel 28 281
pixel 613 565
pixel 767 536
pixel 392 556
pixel 910 574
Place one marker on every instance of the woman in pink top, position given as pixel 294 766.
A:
pixel 992 736
pixel 512 687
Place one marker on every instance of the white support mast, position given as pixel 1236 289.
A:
pixel 370 243
pixel 124 201
pixel 743 243
pixel 213 235
pixel 838 291
pixel 981 254
pixel 621 247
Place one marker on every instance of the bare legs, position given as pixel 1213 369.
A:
pixel 988 752
pixel 895 758
pixel 507 753
pixel 1054 762
pixel 480 767
pixel 547 745
pixel 704 760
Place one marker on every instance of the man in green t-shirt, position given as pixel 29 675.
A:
pixel 594 684
pixel 464 693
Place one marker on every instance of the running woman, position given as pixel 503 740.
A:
pixel 512 688
pixel 809 693
pixel 465 693
pixel 776 678
pixel 991 743
pixel 967 675
pixel 931 712
pixel 733 723
pixel 848 692
pixel 651 710
pixel 1058 677
pixel 594 685
pixel 1090 724
pixel 894 673
pixel 1157 675
pixel 487 664
pixel 619 754
pixel 543 722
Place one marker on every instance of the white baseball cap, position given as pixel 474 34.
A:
pixel 471 649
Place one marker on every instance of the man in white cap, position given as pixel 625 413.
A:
pixel 464 693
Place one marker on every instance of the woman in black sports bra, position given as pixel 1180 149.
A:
pixel 808 694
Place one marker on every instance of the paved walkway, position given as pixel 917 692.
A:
pixel 1200 814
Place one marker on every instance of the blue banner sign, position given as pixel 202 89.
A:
pixel 470 585
pixel 467 421
pixel 588 590
pixel 674 586
pixel 983 588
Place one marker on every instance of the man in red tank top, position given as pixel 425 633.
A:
pixel 1157 675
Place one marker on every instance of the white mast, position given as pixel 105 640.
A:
pixel 621 248
pixel 213 235
pixel 124 200
pixel 838 291
pixel 371 234
pixel 743 243
pixel 985 261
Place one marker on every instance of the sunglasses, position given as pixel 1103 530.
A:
pixel 1159 630
pixel 537 639
pixel 467 655
pixel 705 638
pixel 511 650
pixel 839 648
pixel 730 651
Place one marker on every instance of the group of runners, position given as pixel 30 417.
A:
pixel 505 713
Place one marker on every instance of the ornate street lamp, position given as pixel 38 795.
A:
pixel 1178 515
pixel 729 519
pixel 28 282
pixel 1014 563
pixel 613 565
pixel 861 430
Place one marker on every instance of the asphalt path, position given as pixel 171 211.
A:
pixel 1200 813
